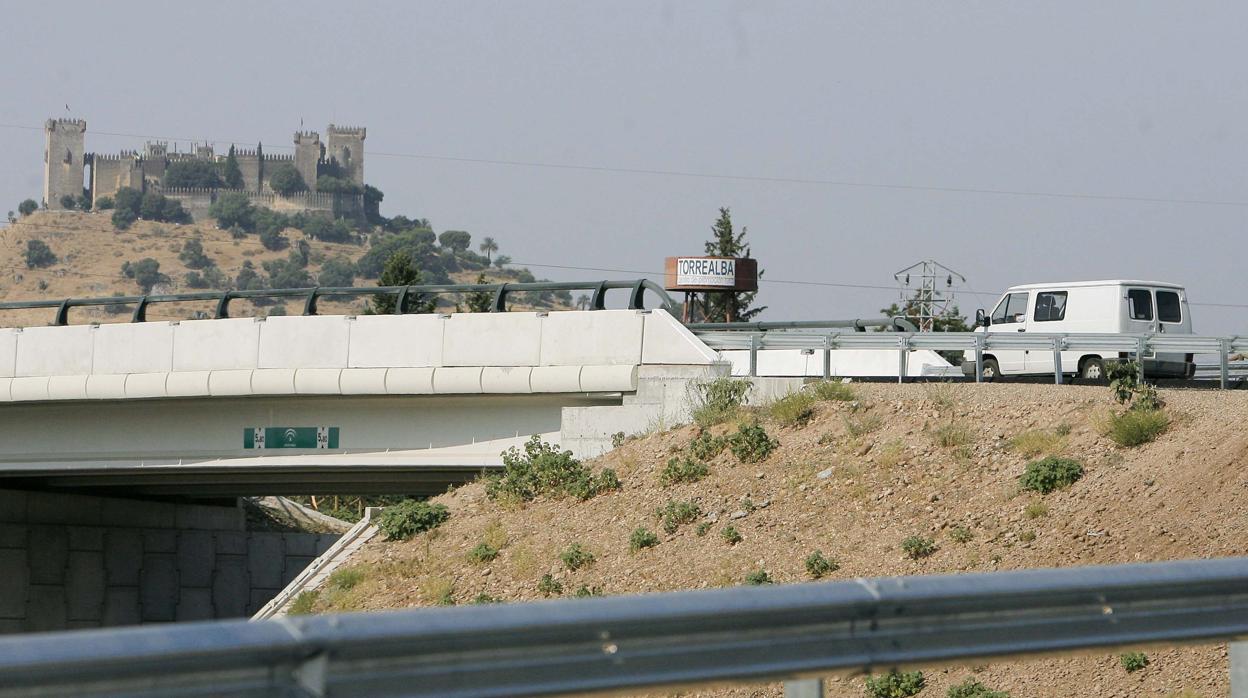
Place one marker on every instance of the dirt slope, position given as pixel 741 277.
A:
pixel 91 253
pixel 856 496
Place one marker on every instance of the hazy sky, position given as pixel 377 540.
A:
pixel 1120 99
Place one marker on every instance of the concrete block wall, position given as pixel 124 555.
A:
pixel 76 561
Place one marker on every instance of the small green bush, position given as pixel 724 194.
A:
pixel 719 400
pixel 974 689
pixel 549 586
pixel 834 390
pixel 1049 474
pixel 617 439
pixel 675 513
pixel 1062 429
pixel 683 469
pixel 484 552
pixel 1133 661
pixel 409 517
pixel 1035 510
pixel 345 579
pixel 895 684
pixel 706 446
pixel 952 435
pixel 818 566
pixel 758 578
pixel 642 538
pixel 960 534
pixel 859 426
pixel 1136 427
pixel 575 557
pixel 751 444
pixel 585 592
pixel 917 547
pixel 730 534
pixel 542 469
pixel 484 598
pixel 702 528
pixel 794 409
pixel 1027 536
pixel 303 603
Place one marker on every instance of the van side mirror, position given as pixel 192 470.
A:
pixel 982 319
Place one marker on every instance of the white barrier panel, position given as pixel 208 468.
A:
pixel 363 381
pixel 67 388
pixel 8 353
pixel 114 387
pixel 317 381
pixel 604 337
pixel 513 379
pixel 26 389
pixel 141 347
pixel 556 379
pixel 232 382
pixel 141 385
pixel 304 342
pixel 5 392
pixel 273 381
pixel 457 381
pixel 409 381
pixel 384 341
pixel 207 345
pixel 54 351
pixel 187 383
pixel 492 339
pixel 666 341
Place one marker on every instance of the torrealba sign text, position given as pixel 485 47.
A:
pixel 700 271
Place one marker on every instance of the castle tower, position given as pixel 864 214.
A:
pixel 63 160
pixel 346 148
pixel 307 155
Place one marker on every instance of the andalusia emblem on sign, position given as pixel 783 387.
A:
pixel 290 437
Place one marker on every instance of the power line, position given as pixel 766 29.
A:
pixel 720 176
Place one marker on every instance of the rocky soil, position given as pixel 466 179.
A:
pixel 855 481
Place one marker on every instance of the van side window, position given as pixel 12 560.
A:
pixel 1010 306
pixel 1168 308
pixel 1140 304
pixel 1050 305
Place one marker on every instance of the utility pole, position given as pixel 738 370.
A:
pixel 927 290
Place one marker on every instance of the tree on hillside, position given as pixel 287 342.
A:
pixel 68 202
pixel 725 242
pixel 192 255
pixel 489 247
pixel 337 272
pixel 233 209
pixel 399 271
pixel 286 180
pixel 38 254
pixel 84 202
pixel 480 301
pixel 372 205
pixel 28 207
pixel 501 261
pixel 233 174
pixel 193 174
pixel 12 216
pixel 457 240
pixel 145 272
pixel 104 203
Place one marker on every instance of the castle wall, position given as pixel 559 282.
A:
pixel 346 147
pixel 307 155
pixel 64 149
pixel 198 202
pixel 271 163
pixel 112 172
pixel 249 165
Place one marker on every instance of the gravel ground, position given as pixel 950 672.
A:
pixel 855 481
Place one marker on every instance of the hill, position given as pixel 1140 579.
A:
pixel 91 253
pixel 861 476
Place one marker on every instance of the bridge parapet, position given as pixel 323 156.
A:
pixel 464 353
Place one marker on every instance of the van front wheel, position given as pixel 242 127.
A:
pixel 1092 370
pixel 992 370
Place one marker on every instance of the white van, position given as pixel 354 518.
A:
pixel 1098 307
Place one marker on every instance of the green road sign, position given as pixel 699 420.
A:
pixel 290 437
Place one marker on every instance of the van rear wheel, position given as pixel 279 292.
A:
pixel 992 370
pixel 1092 370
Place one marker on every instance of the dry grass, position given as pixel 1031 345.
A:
pixel 1036 442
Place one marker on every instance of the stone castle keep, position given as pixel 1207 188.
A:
pixel 67 166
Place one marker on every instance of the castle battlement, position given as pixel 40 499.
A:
pixel 145 170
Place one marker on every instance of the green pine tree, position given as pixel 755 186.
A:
pixel 399 270
pixel 480 301
pixel 729 307
pixel 233 175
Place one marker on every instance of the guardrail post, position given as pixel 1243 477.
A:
pixel 1224 358
pixel 1057 360
pixel 309 306
pixel 979 358
pixel 753 355
pixel 807 688
pixel 1139 355
pixel 827 357
pixel 62 313
pixel 901 359
pixel 140 311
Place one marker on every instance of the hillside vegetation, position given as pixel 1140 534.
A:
pixel 90 252
pixel 883 480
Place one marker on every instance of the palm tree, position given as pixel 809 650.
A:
pixel 488 246
pixel 582 302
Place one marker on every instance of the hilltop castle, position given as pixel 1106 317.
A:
pixel 66 162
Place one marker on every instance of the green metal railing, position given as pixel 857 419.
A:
pixel 403 295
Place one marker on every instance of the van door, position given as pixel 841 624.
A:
pixel 1048 316
pixel 1170 318
pixel 1141 315
pixel 1010 315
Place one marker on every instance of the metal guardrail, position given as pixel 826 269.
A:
pixel 893 324
pixel 403 295
pixel 633 642
pixel 1107 345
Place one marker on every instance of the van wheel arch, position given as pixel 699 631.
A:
pixel 1092 368
pixel 992 368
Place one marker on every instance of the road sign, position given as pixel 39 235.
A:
pixel 290 437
